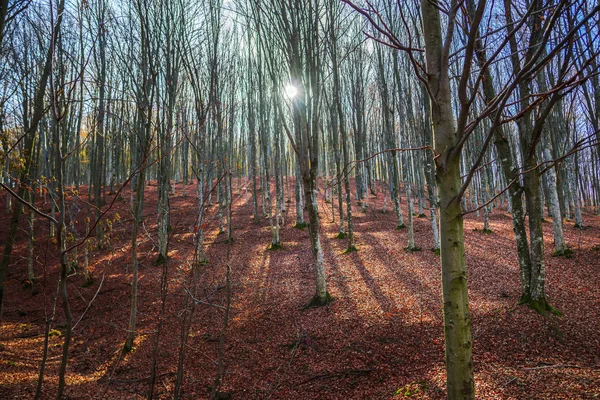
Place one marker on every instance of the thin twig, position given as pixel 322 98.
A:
pixel 509 382
pixel 553 366
pixel 198 301
pixel 90 303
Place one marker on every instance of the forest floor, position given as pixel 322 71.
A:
pixel 380 338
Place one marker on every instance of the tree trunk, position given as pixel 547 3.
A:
pixel 321 296
pixel 457 323
pixel 511 175
pixel 553 199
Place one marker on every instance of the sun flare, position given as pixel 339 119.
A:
pixel 291 91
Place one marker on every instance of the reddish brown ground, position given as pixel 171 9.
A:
pixel 381 337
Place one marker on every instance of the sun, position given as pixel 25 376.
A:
pixel 291 91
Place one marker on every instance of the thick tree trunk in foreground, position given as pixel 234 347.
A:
pixel 457 323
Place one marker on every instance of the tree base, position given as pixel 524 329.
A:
pixel 202 262
pixel 350 249
pixel 301 225
pixel 89 280
pixel 412 249
pixel 577 226
pixel 275 246
pixel 317 302
pixel 422 215
pixel 436 251
pixel 160 260
pixel 540 306
pixel 400 227
pixel 567 253
pixel 128 346
pixel 341 235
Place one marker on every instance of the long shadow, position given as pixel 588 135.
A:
pixel 336 276
pixel 382 299
pixel 420 290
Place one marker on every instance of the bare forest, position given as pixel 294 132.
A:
pixel 299 199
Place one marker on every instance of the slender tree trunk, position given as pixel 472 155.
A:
pixel 510 171
pixel 573 187
pixel 31 241
pixel 410 212
pixel 299 201
pixel 100 128
pixel 559 239
pixel 253 150
pixel 337 89
pixel 137 216
pixel 145 97
pixel 430 174
pixel 310 194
